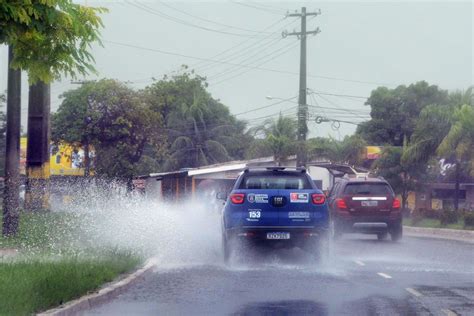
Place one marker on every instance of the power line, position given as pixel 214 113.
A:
pixel 267 10
pixel 266 106
pixel 288 48
pixel 335 104
pixel 340 95
pixel 207 20
pixel 239 45
pixel 234 64
pixel 150 10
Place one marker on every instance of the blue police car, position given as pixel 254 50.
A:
pixel 276 206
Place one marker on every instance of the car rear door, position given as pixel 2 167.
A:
pixel 257 209
pixel 299 210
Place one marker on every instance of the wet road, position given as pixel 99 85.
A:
pixel 362 276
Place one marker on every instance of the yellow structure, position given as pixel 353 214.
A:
pixel 373 152
pixel 65 159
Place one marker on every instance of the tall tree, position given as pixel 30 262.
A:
pixel 445 131
pixel 277 137
pixel 200 129
pixel 115 120
pixel 45 38
pixel 348 151
pixel 394 112
pixel 458 145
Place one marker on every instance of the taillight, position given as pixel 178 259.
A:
pixel 318 198
pixel 340 203
pixel 396 203
pixel 237 198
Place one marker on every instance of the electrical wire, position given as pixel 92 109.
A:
pixel 207 20
pixel 267 10
pixel 236 64
pixel 266 60
pixel 152 11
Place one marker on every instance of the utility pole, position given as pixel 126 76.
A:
pixel 11 197
pixel 301 155
pixel 38 153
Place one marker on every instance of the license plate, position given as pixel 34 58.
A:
pixel 278 235
pixel 369 203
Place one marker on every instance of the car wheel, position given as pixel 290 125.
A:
pixel 382 236
pixel 397 232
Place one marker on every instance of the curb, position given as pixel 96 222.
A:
pixel 102 296
pixel 440 233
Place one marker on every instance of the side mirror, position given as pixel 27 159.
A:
pixel 221 196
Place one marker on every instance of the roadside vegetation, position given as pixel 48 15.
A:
pixel 446 218
pixel 51 266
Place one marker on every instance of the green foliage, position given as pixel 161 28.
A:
pixel 459 141
pixel 115 120
pixel 279 138
pixel 469 218
pixel 401 175
pixel 31 286
pixel 50 37
pixel 394 112
pixel 432 126
pixel 348 151
pixel 200 129
pixel 448 216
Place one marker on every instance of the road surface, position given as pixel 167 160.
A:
pixel 362 276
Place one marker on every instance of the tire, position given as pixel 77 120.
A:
pixel 382 236
pixel 396 233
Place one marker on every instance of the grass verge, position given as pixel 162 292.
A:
pixel 28 286
pixel 52 267
pixel 435 223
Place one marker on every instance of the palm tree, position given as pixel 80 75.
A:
pixel 194 141
pixel 446 130
pixel 348 151
pixel 279 137
pixel 458 144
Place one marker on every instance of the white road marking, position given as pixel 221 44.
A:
pixel 359 263
pixel 449 312
pixel 414 292
pixel 383 275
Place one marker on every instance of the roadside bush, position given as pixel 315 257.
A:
pixel 469 218
pixel 433 214
pixel 448 216
pixel 417 216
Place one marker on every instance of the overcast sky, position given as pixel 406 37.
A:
pixel 362 45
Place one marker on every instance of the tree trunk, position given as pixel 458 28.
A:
pixel 38 153
pixel 11 198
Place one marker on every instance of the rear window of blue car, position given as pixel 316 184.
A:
pixel 286 181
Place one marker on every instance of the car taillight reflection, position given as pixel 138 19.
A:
pixel 318 198
pixel 341 204
pixel 396 203
pixel 237 198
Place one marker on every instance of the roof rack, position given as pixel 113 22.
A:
pixel 276 168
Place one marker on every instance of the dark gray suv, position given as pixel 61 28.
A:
pixel 365 205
